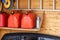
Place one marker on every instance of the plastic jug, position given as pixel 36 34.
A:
pixel 3 19
pixel 28 20
pixel 14 20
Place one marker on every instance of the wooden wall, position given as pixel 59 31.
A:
pixel 51 22
pixel 47 4
pixel 23 4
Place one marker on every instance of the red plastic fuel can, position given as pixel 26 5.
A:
pixel 28 20
pixel 3 19
pixel 14 20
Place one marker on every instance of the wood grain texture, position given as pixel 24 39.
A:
pixel 0 6
pixel 57 4
pixel 35 4
pixel 47 4
pixel 51 23
pixel 23 4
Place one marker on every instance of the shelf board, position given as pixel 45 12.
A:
pixel 18 29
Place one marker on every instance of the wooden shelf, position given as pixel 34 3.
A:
pixel 5 28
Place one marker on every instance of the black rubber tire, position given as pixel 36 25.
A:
pixel 11 5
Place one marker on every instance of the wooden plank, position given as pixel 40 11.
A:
pixel 57 4
pixel 0 6
pixel 35 29
pixel 35 4
pixel 23 4
pixel 47 4
pixel 51 23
